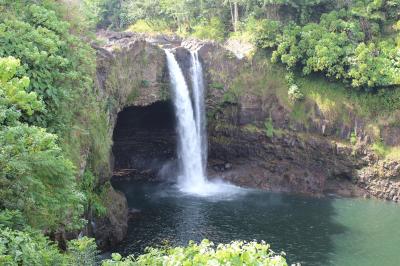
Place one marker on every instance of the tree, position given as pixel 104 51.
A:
pixel 35 178
pixel 14 99
pixel 59 65
pixel 337 46
pixel 234 6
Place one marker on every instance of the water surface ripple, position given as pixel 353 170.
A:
pixel 312 231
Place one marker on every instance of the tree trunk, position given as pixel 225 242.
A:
pixel 232 15
pixel 236 16
pixel 272 11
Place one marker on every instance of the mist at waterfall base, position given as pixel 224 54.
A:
pixel 192 132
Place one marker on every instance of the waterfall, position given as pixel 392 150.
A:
pixel 199 106
pixel 189 142
pixel 192 133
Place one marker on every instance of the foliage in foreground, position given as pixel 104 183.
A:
pixel 30 247
pixel 35 177
pixel 46 92
pixel 235 253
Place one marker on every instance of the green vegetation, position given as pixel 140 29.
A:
pixel 235 253
pixel 46 90
pixel 59 65
pixel 82 251
pixel 380 148
pixel 28 248
pixel 35 178
pixel 54 138
pixel 295 94
pixel 349 44
pixel 212 29
pixel 269 128
pixel 354 42
pixel 384 151
pixel 22 245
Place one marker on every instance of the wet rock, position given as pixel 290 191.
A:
pixel 112 228
pixel 133 213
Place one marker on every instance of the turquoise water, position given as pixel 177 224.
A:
pixel 312 231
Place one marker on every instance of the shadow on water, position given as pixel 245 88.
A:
pixel 301 226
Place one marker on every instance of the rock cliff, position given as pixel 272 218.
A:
pixel 257 137
pixel 257 131
pixel 131 72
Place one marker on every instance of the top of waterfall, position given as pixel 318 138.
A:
pixel 115 41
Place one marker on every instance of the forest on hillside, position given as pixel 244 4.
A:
pixel 50 112
pixel 336 38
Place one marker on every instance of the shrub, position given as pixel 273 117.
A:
pixel 295 94
pixel 35 177
pixel 380 149
pixel 345 45
pixel 82 251
pixel 147 26
pixel 12 219
pixel 141 26
pixel 14 98
pixel 264 32
pixel 353 138
pixel 28 248
pixel 212 29
pixel 269 128
pixel 289 78
pixel 93 192
pixel 234 253
pixel 60 66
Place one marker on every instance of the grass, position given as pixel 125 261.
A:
pixel 133 94
pixel 155 27
pixel 380 149
pixel 386 152
pixel 269 128
pixel 331 98
pixel 300 112
pixel 251 128
pixel 393 153
pixel 338 103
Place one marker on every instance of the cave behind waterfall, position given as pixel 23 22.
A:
pixel 145 141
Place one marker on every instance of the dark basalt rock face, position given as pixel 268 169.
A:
pixel 280 163
pixel 254 132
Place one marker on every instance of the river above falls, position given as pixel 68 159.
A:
pixel 312 231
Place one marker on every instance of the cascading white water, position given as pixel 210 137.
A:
pixel 189 143
pixel 192 137
pixel 199 106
